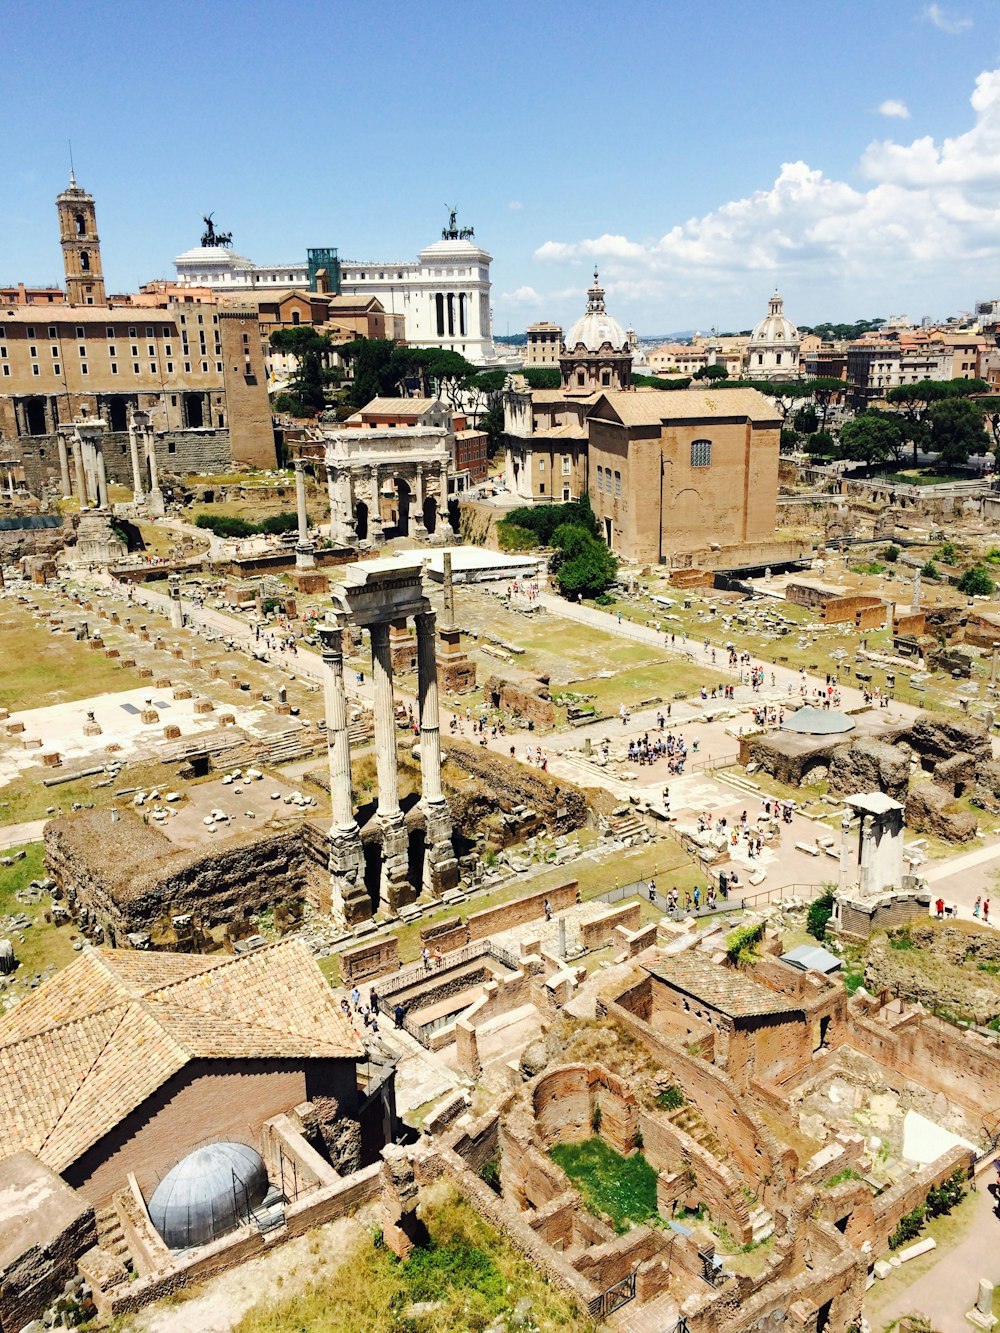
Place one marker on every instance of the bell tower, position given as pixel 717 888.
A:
pixel 81 246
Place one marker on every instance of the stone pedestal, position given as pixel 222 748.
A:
pixel 981 1313
pixel 96 541
pixel 310 582
pixel 395 889
pixel 456 670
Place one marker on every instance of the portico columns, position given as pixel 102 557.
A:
pixel 81 476
pixel 350 902
pixel 63 464
pixel 375 535
pixel 395 889
pixel 304 558
pixel 440 864
pixel 138 490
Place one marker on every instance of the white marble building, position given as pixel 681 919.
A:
pixel 773 349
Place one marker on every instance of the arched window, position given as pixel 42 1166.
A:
pixel 701 453
pixel 296 317
pixel 81 224
pixel 85 261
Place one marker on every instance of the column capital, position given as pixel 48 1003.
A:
pixel 331 639
pixel 426 622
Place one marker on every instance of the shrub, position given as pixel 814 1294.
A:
pixel 670 1098
pixel 909 1226
pixel 741 944
pixel 489 1173
pixel 819 914
pixel 948 553
pixel 891 554
pixel 975 582
pixel 946 1196
pixel 596 1119
pixel 929 570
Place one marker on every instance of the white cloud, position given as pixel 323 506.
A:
pixel 922 211
pixel 945 22
pixel 522 296
pixel 515 204
pixel 893 107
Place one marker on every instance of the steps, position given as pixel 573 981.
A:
pixel 692 1122
pixel 111 1237
pixel 762 1223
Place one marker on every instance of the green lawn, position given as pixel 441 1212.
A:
pixel 44 945
pixel 623 1188
pixel 41 668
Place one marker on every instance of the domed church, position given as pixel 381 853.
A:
pixel 773 350
pixel 596 352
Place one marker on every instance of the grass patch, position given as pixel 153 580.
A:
pixel 472 1277
pixel 842 1177
pixel 42 668
pixel 622 1188
pixel 44 945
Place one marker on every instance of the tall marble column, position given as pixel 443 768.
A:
pixel 81 475
pixel 102 476
pixel 417 520
pixel 375 535
pixel 304 557
pixel 63 464
pixel 396 888
pixel 145 425
pixel 440 863
pixel 350 902
pixel 138 489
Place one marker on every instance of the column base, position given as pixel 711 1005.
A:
pixel 305 557
pixel 350 901
pixel 441 871
pixel 375 535
pixel 395 889
pixel 154 504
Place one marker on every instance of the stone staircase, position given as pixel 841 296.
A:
pixel 762 1223
pixel 692 1122
pixel 111 1237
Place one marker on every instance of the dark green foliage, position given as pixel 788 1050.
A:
pixel 489 1173
pixel 595 1119
pixel 929 570
pixel 741 944
pixel 941 1199
pixel 712 373
pixel 543 520
pixel 909 1227
pixel 542 377
pixel 821 444
pixel 307 388
pixel 790 440
pixel 819 914
pixel 670 1098
pixel 656 382
pixel 948 553
pixel 270 604
pixel 900 939
pixel 623 1188
pixel 224 526
pixel 806 420
pixel 457 1264
pixel 870 439
pixel 957 430
pixel 843 332
pixel 891 554
pixel 582 564
pixel 976 582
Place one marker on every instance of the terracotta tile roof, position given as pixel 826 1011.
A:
pixel 98 1039
pixel 655 405
pixel 721 988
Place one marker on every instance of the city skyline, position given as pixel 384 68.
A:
pixel 858 187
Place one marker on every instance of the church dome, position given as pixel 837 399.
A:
pixel 211 1191
pixel 596 328
pixel 775 327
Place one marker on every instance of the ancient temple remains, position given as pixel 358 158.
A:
pixel 377 595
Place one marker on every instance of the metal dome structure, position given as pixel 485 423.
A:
pixel 211 1191
pixel 809 721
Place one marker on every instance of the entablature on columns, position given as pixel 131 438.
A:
pixel 378 592
pixel 394 451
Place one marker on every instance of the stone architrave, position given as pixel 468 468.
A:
pixel 304 549
pixel 396 889
pixel 350 900
pixel 440 863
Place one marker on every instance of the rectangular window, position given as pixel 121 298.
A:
pixel 83 369
pixel 135 367
pixel 131 332
pixel 701 453
pixel 152 367
pixel 600 478
pixel 541 465
pixel 169 351
pixel 541 488
pixel 150 332
pixel 6 369
pixel 204 367
pixel 114 367
pixel 82 349
pixel 171 447
pixel 187 367
pixel 55 352
pixel 565 466
pixel 56 370
pixel 111 350
pixel 30 330
pixel 52 331
pixel 170 367
pixel 32 351
pixel 166 331
pixel 618 483
pixel 79 332
pixel 110 332
pixel 218 366
pixel 151 349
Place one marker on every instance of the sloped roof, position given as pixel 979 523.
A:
pixel 812 958
pixel 724 989
pixel 99 1038
pixel 661 405
pixel 399 407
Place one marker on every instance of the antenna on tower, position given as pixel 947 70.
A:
pixel 72 172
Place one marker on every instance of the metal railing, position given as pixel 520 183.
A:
pixel 785 891
pixel 640 889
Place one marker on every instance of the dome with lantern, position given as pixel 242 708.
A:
pixel 773 349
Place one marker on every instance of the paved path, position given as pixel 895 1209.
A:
pixel 13 835
pixel 948 1288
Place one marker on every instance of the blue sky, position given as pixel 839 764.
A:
pixel 699 154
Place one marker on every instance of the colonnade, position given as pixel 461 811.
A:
pixel 440 869
pixel 86 440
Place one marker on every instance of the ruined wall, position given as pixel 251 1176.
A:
pixel 492 920
pixel 704 1178
pixel 522 698
pixel 369 961
pixel 508 785
pixel 599 932
pixel 126 875
pixel 565 1102
pixel 901 1199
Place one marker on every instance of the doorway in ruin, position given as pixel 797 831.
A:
pixel 372 848
pixel 430 513
pixel 361 520
pixel 194 410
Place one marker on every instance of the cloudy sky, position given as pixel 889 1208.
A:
pixel 848 154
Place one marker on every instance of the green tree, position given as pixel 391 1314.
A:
pixel 307 387
pixel 821 445
pixel 450 372
pixel 582 564
pixel 869 439
pixel 957 430
pixel 710 373
pixel 976 582
pixel 790 440
pixel 824 390
pixel 806 421
pixel 542 377
pixel 375 374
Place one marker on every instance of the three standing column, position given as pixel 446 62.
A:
pixel 441 870
pixel 350 902
pixel 396 890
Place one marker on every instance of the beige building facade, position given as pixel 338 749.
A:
pixel 673 472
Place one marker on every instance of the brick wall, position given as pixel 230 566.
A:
pixel 900 1199
pixel 600 931
pixel 495 919
pixel 205 1101
pixel 369 961
pixel 711 1182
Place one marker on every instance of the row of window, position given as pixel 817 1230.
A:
pixel 136 368
pixel 606 481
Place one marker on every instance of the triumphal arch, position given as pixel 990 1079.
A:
pixel 376 595
pixel 387 478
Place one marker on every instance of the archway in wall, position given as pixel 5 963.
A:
pixel 453 516
pixel 430 513
pixel 361 520
pixel 416 849
pixel 404 498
